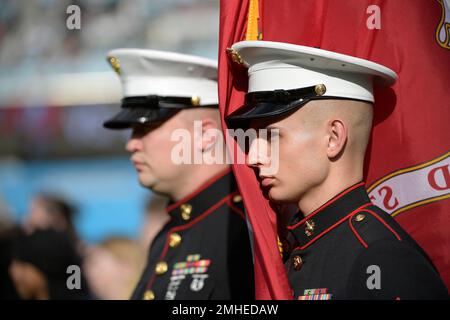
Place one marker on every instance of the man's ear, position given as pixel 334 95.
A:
pixel 337 137
pixel 210 131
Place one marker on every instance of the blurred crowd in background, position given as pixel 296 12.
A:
pixel 68 193
pixel 35 254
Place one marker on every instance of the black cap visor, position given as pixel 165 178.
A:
pixel 129 117
pixel 149 110
pixel 242 117
pixel 146 110
pixel 270 104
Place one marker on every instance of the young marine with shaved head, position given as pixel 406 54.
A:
pixel 318 106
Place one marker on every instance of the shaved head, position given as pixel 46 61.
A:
pixel 357 115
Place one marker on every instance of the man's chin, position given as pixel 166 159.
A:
pixel 271 194
pixel 276 196
pixel 146 183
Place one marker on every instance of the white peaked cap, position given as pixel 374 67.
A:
pixel 166 74
pixel 158 84
pixel 276 65
pixel 284 77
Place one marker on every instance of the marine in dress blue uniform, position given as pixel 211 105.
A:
pixel 345 247
pixel 204 251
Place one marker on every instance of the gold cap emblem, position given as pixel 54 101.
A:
pixel 195 100
pixel 235 56
pixel 115 64
pixel 320 89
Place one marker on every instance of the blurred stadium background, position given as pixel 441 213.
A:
pixel 56 89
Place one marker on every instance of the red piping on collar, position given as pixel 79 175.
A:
pixel 182 227
pixel 235 209
pixel 332 227
pixel 199 189
pixel 340 195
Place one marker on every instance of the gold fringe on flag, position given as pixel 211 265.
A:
pixel 252 21
pixel 280 247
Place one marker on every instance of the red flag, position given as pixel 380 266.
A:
pixel 408 159
pixel 270 277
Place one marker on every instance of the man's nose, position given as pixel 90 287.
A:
pixel 134 144
pixel 258 153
